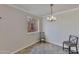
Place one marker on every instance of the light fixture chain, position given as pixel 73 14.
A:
pixel 51 9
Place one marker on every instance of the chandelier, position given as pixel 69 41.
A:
pixel 51 17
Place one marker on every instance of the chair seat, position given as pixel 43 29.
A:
pixel 69 43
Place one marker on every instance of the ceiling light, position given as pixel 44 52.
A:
pixel 51 17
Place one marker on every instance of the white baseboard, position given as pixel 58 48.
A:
pixel 55 43
pixel 23 48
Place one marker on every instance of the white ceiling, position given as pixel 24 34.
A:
pixel 44 9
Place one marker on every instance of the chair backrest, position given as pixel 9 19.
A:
pixel 73 39
pixel 42 34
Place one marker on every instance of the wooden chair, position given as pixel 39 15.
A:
pixel 72 42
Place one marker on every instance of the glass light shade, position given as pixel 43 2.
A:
pixel 51 18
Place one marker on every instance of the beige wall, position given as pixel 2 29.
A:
pixel 67 23
pixel 13 30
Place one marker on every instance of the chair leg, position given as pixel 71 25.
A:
pixel 69 49
pixel 63 46
pixel 76 49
